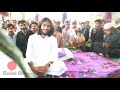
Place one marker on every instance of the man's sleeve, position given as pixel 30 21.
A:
pixel 87 35
pixel 90 32
pixel 115 42
pixel 18 44
pixel 93 38
pixel 29 51
pixel 54 53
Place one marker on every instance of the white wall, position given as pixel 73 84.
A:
pixel 79 16
pixel 53 15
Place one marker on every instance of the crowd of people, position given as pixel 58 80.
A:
pixel 72 34
pixel 39 41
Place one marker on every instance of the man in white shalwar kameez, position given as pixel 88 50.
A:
pixel 42 52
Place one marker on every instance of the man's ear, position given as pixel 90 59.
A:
pixel 4 14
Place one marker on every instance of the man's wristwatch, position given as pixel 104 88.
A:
pixel 50 63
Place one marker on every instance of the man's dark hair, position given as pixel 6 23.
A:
pixel 99 21
pixel 33 23
pixel 63 26
pixel 14 20
pixel 67 21
pixel 74 22
pixel 79 31
pixel 22 21
pixel 87 22
pixel 82 23
pixel 51 26
pixel 19 21
pixel 10 25
pixel 7 20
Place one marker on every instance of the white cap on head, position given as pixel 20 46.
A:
pixel 108 26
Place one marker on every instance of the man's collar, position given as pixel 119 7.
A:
pixel 44 36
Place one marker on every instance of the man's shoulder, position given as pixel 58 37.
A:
pixel 59 35
pixel 92 27
pixel 52 38
pixel 34 35
pixel 19 32
pixel 117 33
pixel 87 29
pixel 30 32
pixel 117 30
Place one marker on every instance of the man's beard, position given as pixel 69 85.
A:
pixel 42 33
pixel 24 28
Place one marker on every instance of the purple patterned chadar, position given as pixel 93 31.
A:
pixel 90 65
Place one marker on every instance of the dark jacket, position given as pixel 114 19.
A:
pixel 88 27
pixel 22 40
pixel 97 35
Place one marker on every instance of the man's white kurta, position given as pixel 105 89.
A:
pixel 42 50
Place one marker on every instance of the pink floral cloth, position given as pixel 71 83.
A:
pixel 90 65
